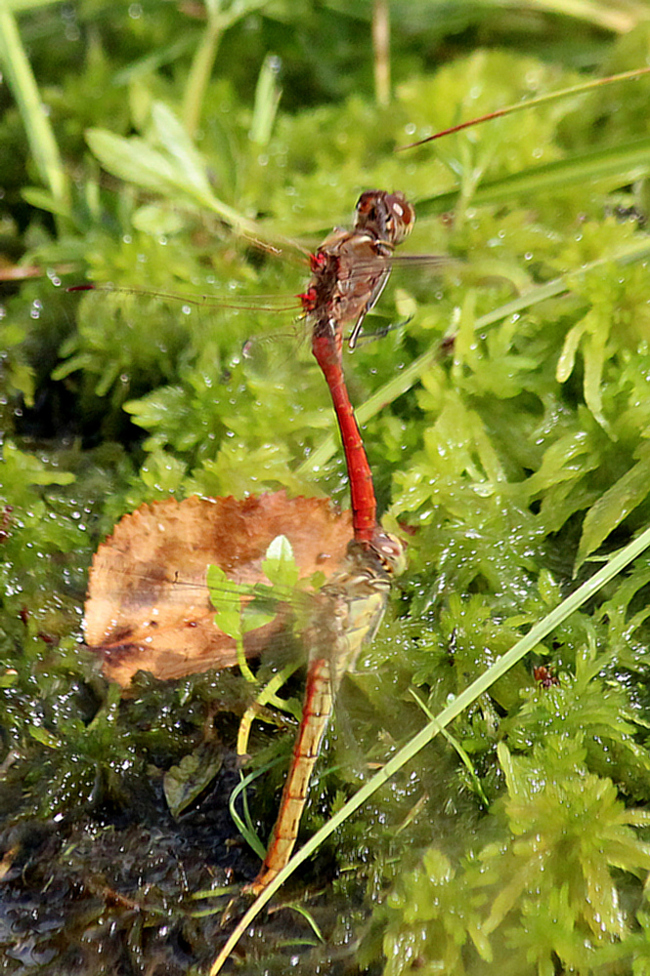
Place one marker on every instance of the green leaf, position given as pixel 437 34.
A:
pixel 615 505
pixel 133 160
pixel 182 172
pixel 29 469
pixel 184 782
pixel 223 595
pixel 253 617
pixel 280 566
pixel 174 138
pixel 37 197
pixel 21 376
pixel 44 737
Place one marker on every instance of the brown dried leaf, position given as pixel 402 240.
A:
pixel 148 607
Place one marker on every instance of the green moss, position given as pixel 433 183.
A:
pixel 545 892
pixel 518 455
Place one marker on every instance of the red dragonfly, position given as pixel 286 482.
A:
pixel 349 272
pixel 360 262
pixel 339 295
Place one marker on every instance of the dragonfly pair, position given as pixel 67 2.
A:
pixel 349 272
pixel 350 606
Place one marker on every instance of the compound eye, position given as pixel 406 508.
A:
pixel 365 203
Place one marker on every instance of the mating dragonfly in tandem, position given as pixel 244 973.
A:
pixel 348 609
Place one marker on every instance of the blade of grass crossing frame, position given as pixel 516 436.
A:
pixel 482 684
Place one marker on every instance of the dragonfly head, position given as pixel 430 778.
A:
pixel 384 554
pixel 388 216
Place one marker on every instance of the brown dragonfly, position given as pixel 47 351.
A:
pixel 346 615
pixel 151 606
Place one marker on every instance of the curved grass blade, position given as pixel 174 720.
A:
pixel 626 162
pixel 39 132
pixel 530 103
pixel 482 684
pixel 245 826
pixel 406 378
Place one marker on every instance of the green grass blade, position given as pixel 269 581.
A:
pixel 267 99
pixel 553 96
pixel 627 162
pixel 406 378
pixel 429 732
pixel 200 72
pixel 246 829
pixel 40 136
